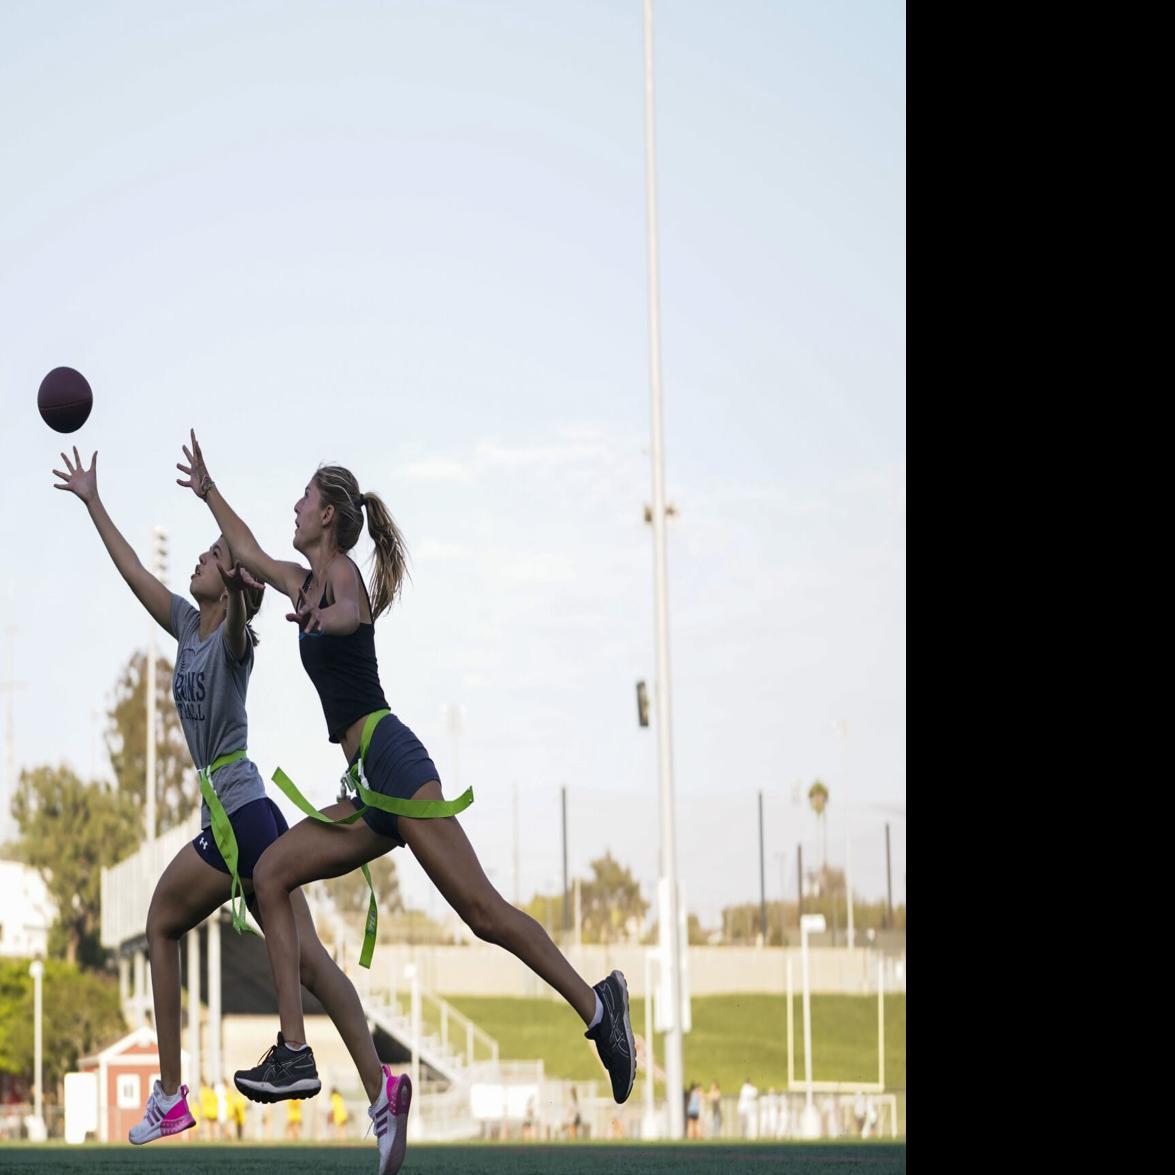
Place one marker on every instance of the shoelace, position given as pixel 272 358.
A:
pixel 371 1120
pixel 266 1055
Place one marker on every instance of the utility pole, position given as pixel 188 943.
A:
pixel 674 1077
pixel 159 570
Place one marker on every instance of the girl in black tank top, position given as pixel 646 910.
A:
pixel 328 524
pixel 343 667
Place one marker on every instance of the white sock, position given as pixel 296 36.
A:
pixel 599 1012
pixel 167 1100
pixel 296 1048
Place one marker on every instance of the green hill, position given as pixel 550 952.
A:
pixel 733 1037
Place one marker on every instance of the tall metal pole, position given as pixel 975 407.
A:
pixel 159 568
pixel 674 1078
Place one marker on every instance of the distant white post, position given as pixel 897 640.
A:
pixel 411 974
pixel 809 923
pixel 37 971
pixel 650 1126
pixel 214 994
pixel 193 937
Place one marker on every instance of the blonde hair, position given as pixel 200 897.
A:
pixel 339 489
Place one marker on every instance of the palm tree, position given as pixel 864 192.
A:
pixel 818 798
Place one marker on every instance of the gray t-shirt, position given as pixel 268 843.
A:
pixel 209 690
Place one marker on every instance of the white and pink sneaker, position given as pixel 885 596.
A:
pixel 389 1116
pixel 163 1115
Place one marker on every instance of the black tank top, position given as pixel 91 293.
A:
pixel 344 671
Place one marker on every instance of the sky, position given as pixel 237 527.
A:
pixel 410 238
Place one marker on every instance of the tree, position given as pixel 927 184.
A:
pixel 610 903
pixel 176 790
pixel 697 934
pixel 81 1015
pixel 351 895
pixel 740 924
pixel 69 830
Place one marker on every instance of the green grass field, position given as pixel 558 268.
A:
pixel 177 1158
pixel 733 1037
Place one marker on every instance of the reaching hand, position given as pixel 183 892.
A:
pixel 236 578
pixel 199 482
pixel 307 618
pixel 83 482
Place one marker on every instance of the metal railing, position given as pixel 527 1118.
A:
pixel 127 887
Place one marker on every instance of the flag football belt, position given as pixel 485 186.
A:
pixel 222 833
pixel 354 780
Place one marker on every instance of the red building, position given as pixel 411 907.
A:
pixel 126 1072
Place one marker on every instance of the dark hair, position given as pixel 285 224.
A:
pixel 253 597
pixel 338 488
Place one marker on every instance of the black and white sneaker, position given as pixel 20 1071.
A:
pixel 613 1035
pixel 282 1073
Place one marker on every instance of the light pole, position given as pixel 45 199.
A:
pixel 673 1051
pixel 159 569
pixel 37 971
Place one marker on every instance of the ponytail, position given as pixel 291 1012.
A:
pixel 339 489
pixel 390 557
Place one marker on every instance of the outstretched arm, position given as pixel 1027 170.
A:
pixel 235 580
pixel 84 483
pixel 286 577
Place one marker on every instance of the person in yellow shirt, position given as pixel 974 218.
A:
pixel 338 1114
pixel 236 1111
pixel 294 1118
pixel 208 1109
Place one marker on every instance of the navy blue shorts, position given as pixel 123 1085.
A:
pixel 397 765
pixel 256 825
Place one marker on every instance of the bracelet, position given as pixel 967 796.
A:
pixel 207 485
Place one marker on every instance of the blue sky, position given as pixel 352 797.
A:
pixel 409 237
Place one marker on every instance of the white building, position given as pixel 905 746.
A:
pixel 26 912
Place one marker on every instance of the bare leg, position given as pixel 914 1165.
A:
pixel 446 855
pixel 189 890
pixel 321 976
pixel 310 851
